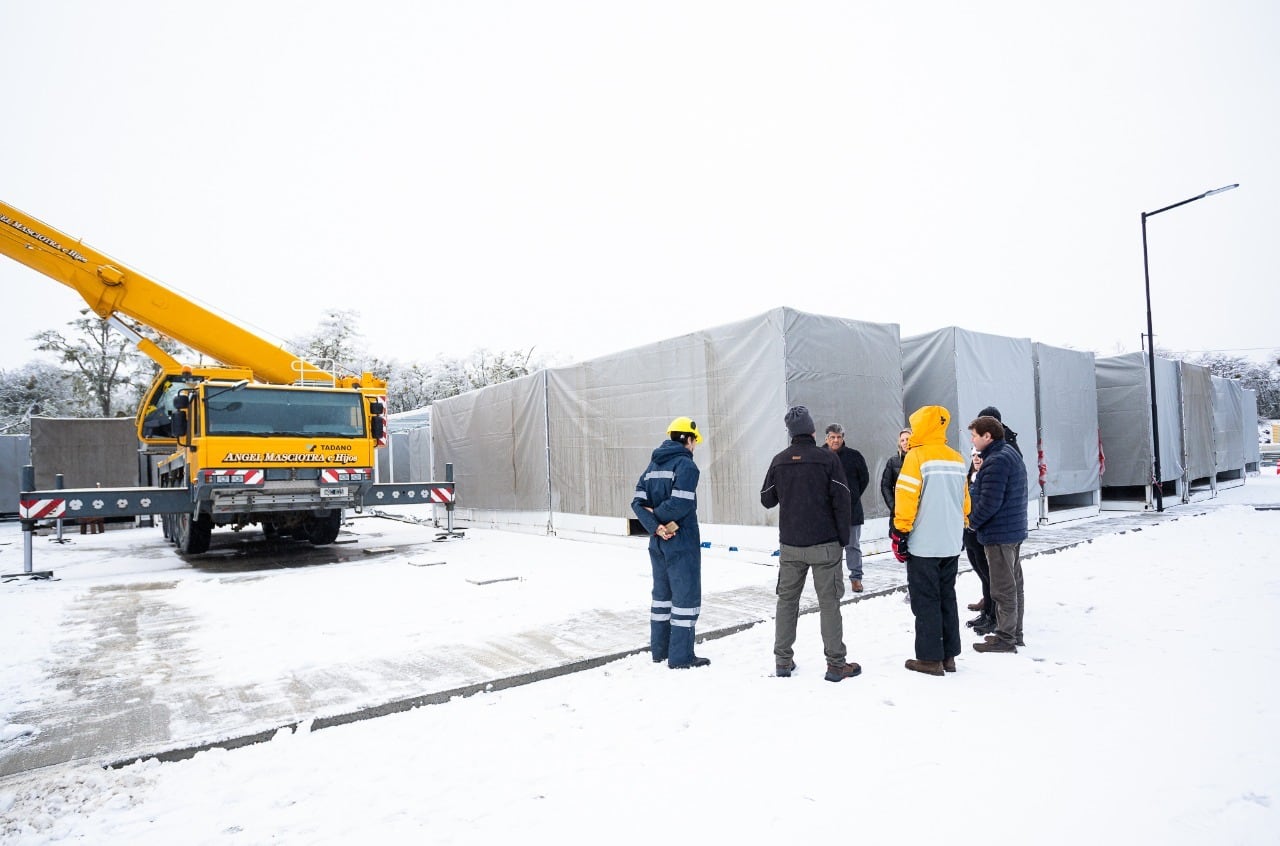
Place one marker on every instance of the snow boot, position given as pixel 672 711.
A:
pixel 839 671
pixel 932 668
pixel 784 670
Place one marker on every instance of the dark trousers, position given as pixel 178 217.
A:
pixel 932 582
pixel 978 561
pixel 677 600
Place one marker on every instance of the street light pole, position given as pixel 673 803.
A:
pixel 1151 338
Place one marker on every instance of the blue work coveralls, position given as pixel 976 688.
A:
pixel 669 486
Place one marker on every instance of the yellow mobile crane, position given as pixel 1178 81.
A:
pixel 264 437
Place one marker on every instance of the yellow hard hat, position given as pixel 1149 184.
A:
pixel 684 424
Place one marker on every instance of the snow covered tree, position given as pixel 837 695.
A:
pixel 1261 377
pixel 105 368
pixel 37 388
pixel 336 342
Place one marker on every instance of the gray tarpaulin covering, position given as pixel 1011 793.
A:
pixel 87 452
pixel 1228 424
pixel 1252 449
pixel 1067 413
pixel 1197 420
pixel 580 436
pixel 1124 419
pixel 15 453
pixel 967 371
pixel 496 438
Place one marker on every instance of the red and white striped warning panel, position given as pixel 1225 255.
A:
pixel 41 509
pixel 442 495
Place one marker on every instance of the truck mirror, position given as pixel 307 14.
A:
pixel 157 425
pixel 376 408
pixel 178 423
pixel 379 428
pixel 182 401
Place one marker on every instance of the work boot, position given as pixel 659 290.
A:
pixel 980 605
pixel 696 662
pixel 994 646
pixel 856 584
pixel 978 620
pixel 784 669
pixel 932 668
pixel 841 670
pixel 1018 642
pixel 949 664
pixel 986 628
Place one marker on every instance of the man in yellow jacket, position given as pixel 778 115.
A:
pixel 931 507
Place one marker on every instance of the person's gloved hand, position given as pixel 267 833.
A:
pixel 899 544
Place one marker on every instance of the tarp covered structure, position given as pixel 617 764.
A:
pixel 1067 418
pixel 496 438
pixel 1124 419
pixel 965 372
pixel 87 452
pixel 15 453
pixel 1252 449
pixel 1197 423
pixel 573 440
pixel 1228 429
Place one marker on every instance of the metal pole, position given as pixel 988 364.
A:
pixel 1151 338
pixel 58 483
pixel 1151 367
pixel 28 526
pixel 448 509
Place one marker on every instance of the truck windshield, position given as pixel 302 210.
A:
pixel 283 411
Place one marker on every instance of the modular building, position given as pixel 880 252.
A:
pixel 965 372
pixel 1069 444
pixel 563 448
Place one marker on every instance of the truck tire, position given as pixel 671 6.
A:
pixel 192 537
pixel 324 530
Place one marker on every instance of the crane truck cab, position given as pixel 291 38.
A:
pixel 288 457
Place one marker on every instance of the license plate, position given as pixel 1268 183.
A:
pixel 334 493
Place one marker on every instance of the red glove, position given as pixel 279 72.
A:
pixel 899 539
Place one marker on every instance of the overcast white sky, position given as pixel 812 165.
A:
pixel 591 176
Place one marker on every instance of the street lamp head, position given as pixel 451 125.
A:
pixel 1220 190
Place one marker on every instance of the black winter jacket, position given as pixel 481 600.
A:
pixel 857 476
pixel 889 479
pixel 808 482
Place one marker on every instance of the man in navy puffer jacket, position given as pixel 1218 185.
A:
pixel 999 517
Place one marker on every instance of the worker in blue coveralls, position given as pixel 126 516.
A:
pixel 666 502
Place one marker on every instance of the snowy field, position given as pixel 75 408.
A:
pixel 1145 708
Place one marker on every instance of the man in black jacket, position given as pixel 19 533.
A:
pixel 813 529
pixel 856 474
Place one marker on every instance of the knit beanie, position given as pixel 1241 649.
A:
pixel 990 411
pixel 798 421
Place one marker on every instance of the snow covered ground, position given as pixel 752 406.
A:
pixel 1145 708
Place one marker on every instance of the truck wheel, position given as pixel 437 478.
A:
pixel 324 530
pixel 193 536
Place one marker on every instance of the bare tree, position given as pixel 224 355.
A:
pixel 104 365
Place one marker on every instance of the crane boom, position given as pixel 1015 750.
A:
pixel 112 288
